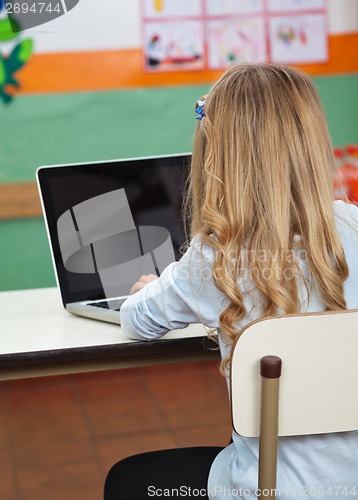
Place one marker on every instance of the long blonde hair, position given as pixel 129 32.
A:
pixel 261 173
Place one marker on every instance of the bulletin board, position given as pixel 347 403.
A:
pixel 213 34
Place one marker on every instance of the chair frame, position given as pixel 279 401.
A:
pixel 263 406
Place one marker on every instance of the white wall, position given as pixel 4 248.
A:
pixel 343 16
pixel 115 24
pixel 91 25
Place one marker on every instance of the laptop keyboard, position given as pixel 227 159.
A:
pixel 113 305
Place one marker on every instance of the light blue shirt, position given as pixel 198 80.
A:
pixel 185 293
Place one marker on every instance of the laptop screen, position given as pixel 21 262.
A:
pixel 110 222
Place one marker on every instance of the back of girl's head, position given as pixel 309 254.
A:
pixel 262 171
pixel 264 144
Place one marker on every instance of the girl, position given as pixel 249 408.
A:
pixel 267 240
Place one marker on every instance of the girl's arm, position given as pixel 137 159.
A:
pixel 184 294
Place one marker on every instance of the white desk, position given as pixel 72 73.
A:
pixel 38 337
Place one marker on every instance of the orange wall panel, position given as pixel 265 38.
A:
pixel 70 72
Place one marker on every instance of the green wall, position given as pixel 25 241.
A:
pixel 339 95
pixel 25 260
pixel 64 128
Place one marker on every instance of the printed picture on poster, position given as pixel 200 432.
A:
pixel 174 45
pixel 235 41
pixel 159 9
pixel 295 5
pixel 298 39
pixel 233 7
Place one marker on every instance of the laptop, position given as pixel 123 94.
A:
pixel 110 222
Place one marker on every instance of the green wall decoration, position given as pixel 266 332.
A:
pixel 19 55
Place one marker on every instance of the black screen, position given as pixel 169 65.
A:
pixel 153 187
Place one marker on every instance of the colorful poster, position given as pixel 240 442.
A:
pixel 295 5
pixel 217 33
pixel 235 41
pixel 174 45
pixel 233 7
pixel 158 9
pixel 299 39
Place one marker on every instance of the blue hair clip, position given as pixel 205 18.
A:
pixel 199 109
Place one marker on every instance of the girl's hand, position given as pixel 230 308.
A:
pixel 143 280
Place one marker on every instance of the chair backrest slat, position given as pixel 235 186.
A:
pixel 319 381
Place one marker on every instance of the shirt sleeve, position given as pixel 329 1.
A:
pixel 185 293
